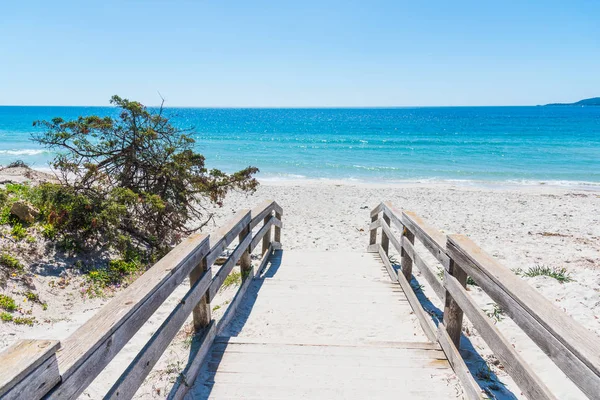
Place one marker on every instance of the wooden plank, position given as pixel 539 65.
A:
pixel 375 223
pixel 262 233
pixel 387 264
pixel 453 314
pixel 425 269
pixel 227 267
pixel 394 214
pixel 325 343
pixel 264 261
pixel 277 228
pixel 386 234
pixel 142 364
pixel 28 369
pixel 202 312
pixel 189 375
pixel 390 235
pixel 470 386
pixel 220 239
pixel 377 210
pixel 575 350
pixel 266 238
pixel 406 261
pixel 245 259
pixel 91 347
pixel 424 318
pixel 432 239
pixel 517 368
pixel 259 212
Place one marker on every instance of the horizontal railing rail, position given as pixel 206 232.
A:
pixel 35 369
pixel 574 349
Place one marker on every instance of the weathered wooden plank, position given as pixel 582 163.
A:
pixel 189 375
pixel 387 264
pixel 406 261
pixel 264 232
pixel 277 228
pixel 425 269
pixel 220 239
pixel 140 367
pixel 517 368
pixel 259 212
pixel 245 259
pixel 202 312
pixel 575 350
pixel 374 225
pixel 28 369
pixel 470 386
pixel 394 214
pixel 377 210
pixel 226 268
pixel 453 314
pixel 422 316
pixel 386 234
pixel 390 235
pixel 335 342
pixel 264 260
pixel 432 239
pixel 91 347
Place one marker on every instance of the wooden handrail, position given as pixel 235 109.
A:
pixel 569 345
pixel 84 354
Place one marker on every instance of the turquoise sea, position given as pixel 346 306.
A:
pixel 559 145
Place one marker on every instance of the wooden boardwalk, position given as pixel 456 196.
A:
pixel 313 325
pixel 324 325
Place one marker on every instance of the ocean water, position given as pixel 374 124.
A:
pixel 559 145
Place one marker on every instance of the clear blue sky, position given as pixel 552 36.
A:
pixel 299 53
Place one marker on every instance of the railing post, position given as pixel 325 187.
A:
pixel 245 259
pixel 278 229
pixel 385 240
pixel 266 242
pixel 406 263
pixel 453 315
pixel 373 237
pixel 201 312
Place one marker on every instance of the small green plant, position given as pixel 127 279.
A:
pixel 8 261
pixel 49 231
pixel 235 278
pixel 115 273
pixel 6 317
pixel 24 320
pixel 18 231
pixel 471 281
pixel 560 274
pixel 215 308
pixel 7 303
pixel 496 313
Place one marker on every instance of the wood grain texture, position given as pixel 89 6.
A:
pixel 453 315
pixel 517 368
pixel 573 349
pixel 388 265
pixel 91 347
pixel 386 235
pixel 373 230
pixel 264 233
pixel 425 269
pixel 28 368
pixel 432 239
pixel 223 237
pixel 406 260
pixel 226 268
pixel 277 228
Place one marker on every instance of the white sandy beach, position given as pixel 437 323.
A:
pixel 522 227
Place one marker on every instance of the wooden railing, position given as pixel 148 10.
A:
pixel 32 369
pixel 574 349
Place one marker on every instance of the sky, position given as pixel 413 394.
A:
pixel 280 53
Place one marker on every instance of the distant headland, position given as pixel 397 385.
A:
pixel 594 101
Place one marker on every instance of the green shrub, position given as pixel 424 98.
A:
pixel 234 278
pixel 7 303
pixel 18 232
pixel 6 317
pixel 24 320
pixel 49 231
pixel 117 272
pixel 11 263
